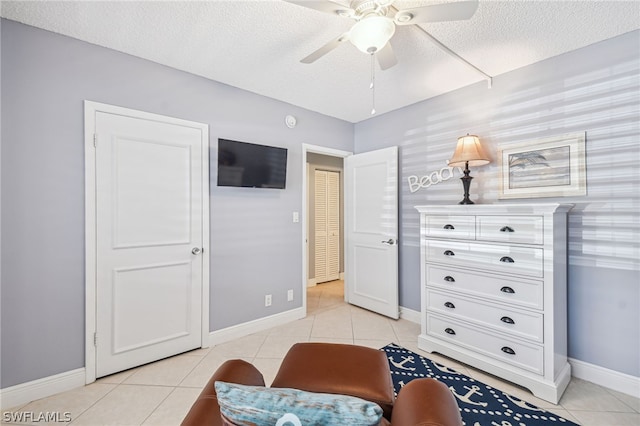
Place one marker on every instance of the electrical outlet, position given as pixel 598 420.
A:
pixel 267 300
pixel 296 217
pixel 289 295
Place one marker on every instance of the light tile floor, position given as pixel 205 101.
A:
pixel 161 393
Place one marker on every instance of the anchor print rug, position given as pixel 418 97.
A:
pixel 480 404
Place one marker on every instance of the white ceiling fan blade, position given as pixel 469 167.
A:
pixel 437 13
pixel 325 49
pixel 324 6
pixel 386 58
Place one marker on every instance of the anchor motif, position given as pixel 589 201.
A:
pixel 445 369
pixel 401 364
pixel 401 383
pixel 467 397
pixel 522 404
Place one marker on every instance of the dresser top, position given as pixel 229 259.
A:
pixel 469 209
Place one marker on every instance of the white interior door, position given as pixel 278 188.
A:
pixel 371 199
pixel 327 226
pixel 149 239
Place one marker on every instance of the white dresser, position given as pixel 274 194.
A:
pixel 494 290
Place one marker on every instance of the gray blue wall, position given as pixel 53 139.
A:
pixel 255 246
pixel 595 89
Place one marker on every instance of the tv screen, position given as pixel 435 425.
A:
pixel 250 165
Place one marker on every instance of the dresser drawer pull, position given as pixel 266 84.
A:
pixel 450 305
pixel 508 350
pixel 449 279
pixel 506 229
pixel 507 320
pixel 507 290
pixel 448 226
pixel 450 331
pixel 507 259
pixel 449 253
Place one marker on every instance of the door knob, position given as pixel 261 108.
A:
pixel 390 241
pixel 196 250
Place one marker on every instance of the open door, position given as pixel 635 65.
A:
pixel 371 258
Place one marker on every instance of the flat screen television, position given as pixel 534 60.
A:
pixel 249 165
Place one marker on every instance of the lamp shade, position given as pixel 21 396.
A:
pixel 469 149
pixel 372 33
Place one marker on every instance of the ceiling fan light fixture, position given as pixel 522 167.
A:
pixel 403 17
pixel 345 13
pixel 370 34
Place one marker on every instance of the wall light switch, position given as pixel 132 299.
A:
pixel 296 217
pixel 289 295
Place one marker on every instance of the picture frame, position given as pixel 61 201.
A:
pixel 550 167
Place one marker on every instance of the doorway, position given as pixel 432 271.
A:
pixel 371 228
pixel 147 221
pixel 321 159
pixel 325 225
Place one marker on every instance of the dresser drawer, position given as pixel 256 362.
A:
pixel 523 324
pixel 460 227
pixel 516 229
pixel 528 293
pixel 492 258
pixel 525 356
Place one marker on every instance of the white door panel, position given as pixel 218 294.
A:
pixel 136 320
pixel 372 230
pixel 149 218
pixel 167 184
pixel 368 283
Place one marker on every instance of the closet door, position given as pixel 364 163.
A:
pixel 333 225
pixel 327 223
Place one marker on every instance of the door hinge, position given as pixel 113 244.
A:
pixel 95 339
pixel 95 139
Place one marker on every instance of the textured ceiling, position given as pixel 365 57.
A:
pixel 257 45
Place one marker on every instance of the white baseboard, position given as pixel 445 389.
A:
pixel 24 393
pixel 255 326
pixel 409 315
pixel 611 379
pixel 311 282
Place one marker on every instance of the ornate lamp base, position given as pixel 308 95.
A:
pixel 466 183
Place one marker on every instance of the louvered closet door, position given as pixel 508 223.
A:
pixel 333 225
pixel 327 222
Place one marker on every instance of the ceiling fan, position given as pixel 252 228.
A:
pixel 376 23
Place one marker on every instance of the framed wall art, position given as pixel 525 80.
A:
pixel 550 167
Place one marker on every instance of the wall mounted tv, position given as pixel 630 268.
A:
pixel 249 165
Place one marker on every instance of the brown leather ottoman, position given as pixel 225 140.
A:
pixel 338 369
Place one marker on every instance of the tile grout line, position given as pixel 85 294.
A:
pixel 116 385
pixel 159 404
pixel 633 410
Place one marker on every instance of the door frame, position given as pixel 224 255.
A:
pixel 90 110
pixel 331 152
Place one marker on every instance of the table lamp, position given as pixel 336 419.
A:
pixel 468 152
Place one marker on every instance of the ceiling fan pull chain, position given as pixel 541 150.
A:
pixel 372 86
